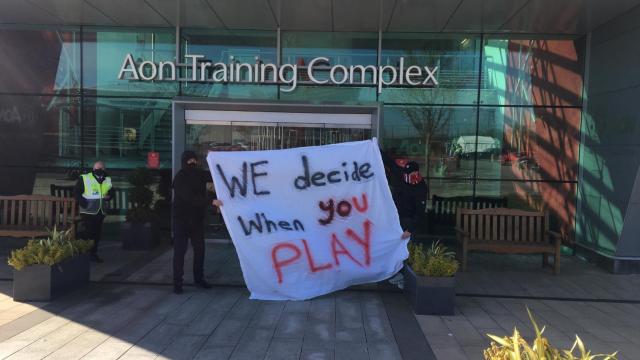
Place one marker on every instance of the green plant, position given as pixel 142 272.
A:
pixel 437 261
pixel 437 249
pixel 141 196
pixel 515 347
pixel 57 247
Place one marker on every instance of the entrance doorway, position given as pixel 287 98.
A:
pixel 204 127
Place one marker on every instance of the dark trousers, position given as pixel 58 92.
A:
pixel 92 225
pixel 182 232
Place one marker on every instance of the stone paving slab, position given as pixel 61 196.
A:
pixel 139 322
pixel 605 327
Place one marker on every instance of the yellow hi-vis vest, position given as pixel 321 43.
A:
pixel 94 193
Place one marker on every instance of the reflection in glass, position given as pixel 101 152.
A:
pixel 440 139
pixel 227 46
pixel 39 133
pixel 456 56
pixel 104 51
pixel 520 70
pixel 203 138
pixel 535 143
pixel 123 131
pixel 343 48
pixel 40 61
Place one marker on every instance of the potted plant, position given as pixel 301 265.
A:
pixel 47 268
pixel 540 348
pixel 430 279
pixel 139 230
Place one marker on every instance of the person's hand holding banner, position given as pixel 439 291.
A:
pixel 309 221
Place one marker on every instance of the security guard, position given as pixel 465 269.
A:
pixel 92 191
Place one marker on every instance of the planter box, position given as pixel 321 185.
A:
pixel 429 295
pixel 139 236
pixel 44 282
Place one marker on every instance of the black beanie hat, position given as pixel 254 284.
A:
pixel 186 155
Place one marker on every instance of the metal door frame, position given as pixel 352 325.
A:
pixel 180 105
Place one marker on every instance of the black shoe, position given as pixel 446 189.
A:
pixel 96 258
pixel 202 284
pixel 177 289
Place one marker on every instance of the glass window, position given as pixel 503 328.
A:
pixel 45 132
pixel 122 131
pixel 228 46
pixel 444 196
pixel 40 61
pixel 519 70
pixel 343 48
pixel 456 56
pixel 104 52
pixel 528 143
pixel 601 216
pixel 440 139
pixel 240 136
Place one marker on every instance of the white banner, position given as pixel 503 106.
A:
pixel 309 221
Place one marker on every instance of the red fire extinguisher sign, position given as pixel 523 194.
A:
pixel 153 160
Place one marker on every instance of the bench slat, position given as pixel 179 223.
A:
pixel 472 227
pixel 39 213
pixel 539 229
pixel 20 216
pixel 487 226
pixel 506 231
pixel 35 215
pixel 495 226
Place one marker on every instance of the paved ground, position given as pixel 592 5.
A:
pixel 143 322
pixel 523 276
pixel 119 317
pixel 604 327
pixel 602 308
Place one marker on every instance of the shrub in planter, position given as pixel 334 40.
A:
pixel 46 268
pixel 516 347
pixel 138 231
pixel 430 279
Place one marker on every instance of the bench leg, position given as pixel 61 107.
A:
pixel 556 263
pixel 545 260
pixel 464 255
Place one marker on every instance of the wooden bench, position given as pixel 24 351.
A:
pixel 443 209
pixel 116 206
pixel 510 231
pixel 35 215
pixel 120 202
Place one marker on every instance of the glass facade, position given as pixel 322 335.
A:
pixel 504 121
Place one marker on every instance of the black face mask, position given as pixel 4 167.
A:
pixel 192 166
pixel 99 174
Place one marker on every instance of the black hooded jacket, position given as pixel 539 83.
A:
pixel 190 199
pixel 410 200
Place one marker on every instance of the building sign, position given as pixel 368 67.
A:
pixel 319 71
pixel 308 221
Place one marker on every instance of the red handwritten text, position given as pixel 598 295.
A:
pixel 287 253
pixel 342 208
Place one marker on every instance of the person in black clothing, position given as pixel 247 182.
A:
pixel 409 192
pixel 189 205
pixel 92 191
